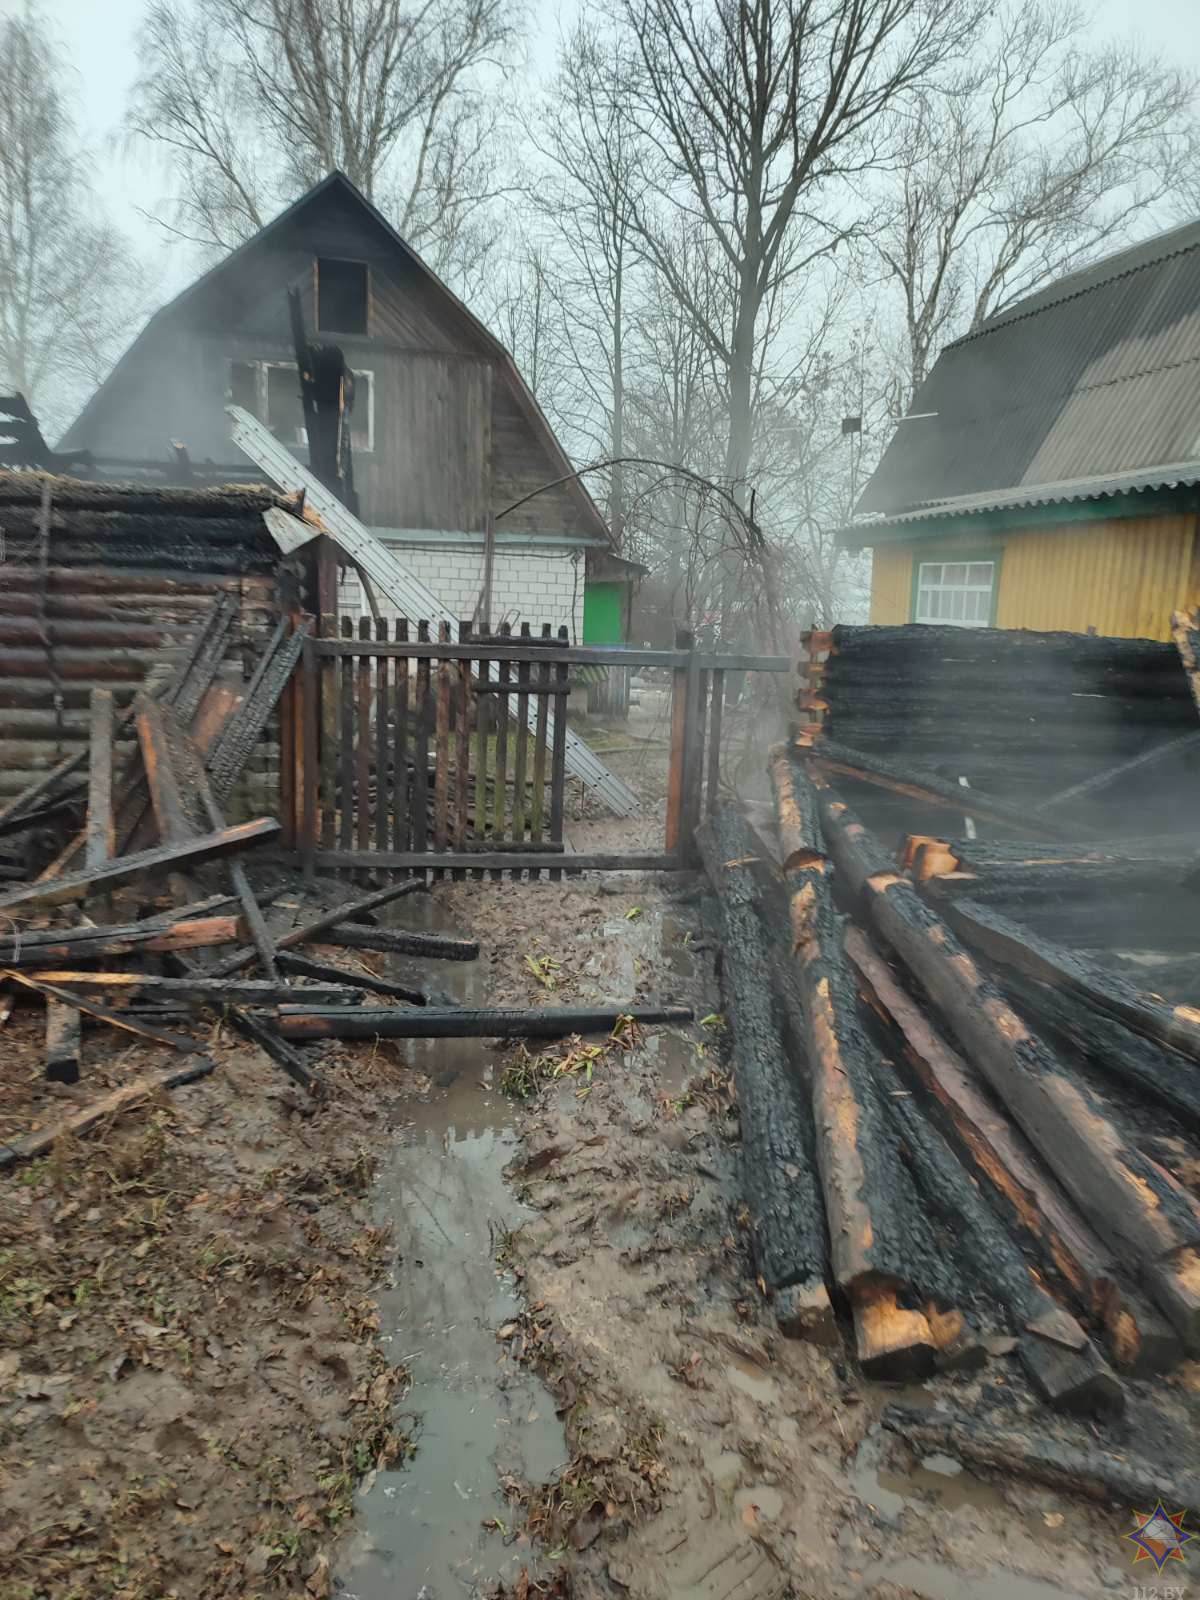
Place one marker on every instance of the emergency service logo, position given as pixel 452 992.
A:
pixel 1159 1537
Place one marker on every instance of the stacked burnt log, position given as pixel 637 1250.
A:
pixel 971 1109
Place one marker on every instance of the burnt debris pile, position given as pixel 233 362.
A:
pixel 971 1091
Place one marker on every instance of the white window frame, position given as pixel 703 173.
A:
pixel 929 586
pixel 261 368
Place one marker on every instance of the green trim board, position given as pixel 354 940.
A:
pixel 1022 519
pixel 960 552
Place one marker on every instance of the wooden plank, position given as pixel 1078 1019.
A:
pixel 402 942
pixel 166 796
pixel 310 745
pixel 64 1042
pixel 558 757
pixel 382 739
pixel 441 771
pixel 714 743
pixel 582 656
pixel 1140 767
pixel 69 944
pixel 520 764
pixel 77 887
pixel 355 977
pixel 508 860
pixel 401 791
pixel 462 748
pixel 543 683
pixel 676 776
pixel 291 783
pixel 420 790
pixel 330 714
pixel 100 839
pixel 500 775
pixel 362 746
pixel 346 748
pixel 483 722
pixel 115 1019
pixel 209 991
pixel 124 1098
pixel 461 1022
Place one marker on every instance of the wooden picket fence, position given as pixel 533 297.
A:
pixel 408 749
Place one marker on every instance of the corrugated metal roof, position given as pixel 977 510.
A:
pixel 1176 475
pixel 1095 376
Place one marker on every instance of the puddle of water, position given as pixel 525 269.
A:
pixel 937 1476
pixel 480 1415
pixel 936 1582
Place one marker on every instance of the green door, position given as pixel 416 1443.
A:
pixel 604 613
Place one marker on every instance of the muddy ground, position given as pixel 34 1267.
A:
pixel 484 1318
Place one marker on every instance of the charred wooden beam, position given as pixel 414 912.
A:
pixel 463 1022
pixel 778 1171
pixel 208 991
pixel 64 1042
pixel 1129 1199
pixel 400 941
pixel 151 937
pixel 892 1342
pixel 91 1008
pixel 870 1235
pixel 309 932
pixel 107 1106
pixel 1136 766
pixel 166 797
pixel 841 760
pixel 78 886
pixel 1014 945
pixel 329 972
pixel 1084 1468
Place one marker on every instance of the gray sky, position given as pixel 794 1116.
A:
pixel 100 37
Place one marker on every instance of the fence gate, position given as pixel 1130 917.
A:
pixel 424 752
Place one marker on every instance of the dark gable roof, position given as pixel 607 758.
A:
pixel 1095 375
pixel 338 182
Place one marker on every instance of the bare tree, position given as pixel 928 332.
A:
pixel 1036 155
pixel 70 289
pixel 253 99
pixel 756 107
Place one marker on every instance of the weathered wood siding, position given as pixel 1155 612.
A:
pixel 1122 577
pixel 452 436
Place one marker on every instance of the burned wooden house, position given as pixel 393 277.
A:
pixel 447 436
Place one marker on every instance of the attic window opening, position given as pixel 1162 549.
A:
pixel 270 391
pixel 958 593
pixel 343 290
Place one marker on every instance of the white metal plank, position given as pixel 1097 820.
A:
pixel 404 590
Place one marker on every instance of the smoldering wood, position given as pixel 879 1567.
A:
pixel 778 1170
pixel 78 886
pixel 1130 1201
pixel 1137 766
pixel 122 1099
pixel 1015 945
pixel 1085 1468
pixel 330 972
pixel 464 1022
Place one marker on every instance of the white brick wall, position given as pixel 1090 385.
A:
pixel 532 585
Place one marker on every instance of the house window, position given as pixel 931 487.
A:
pixel 270 390
pixel 343 289
pixel 956 592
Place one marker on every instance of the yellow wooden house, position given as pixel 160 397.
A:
pixel 1048 473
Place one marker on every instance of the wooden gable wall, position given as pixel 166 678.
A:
pixel 452 438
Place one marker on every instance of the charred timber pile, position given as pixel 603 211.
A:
pixel 1022 716
pixel 1004 1125
pixel 114 930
